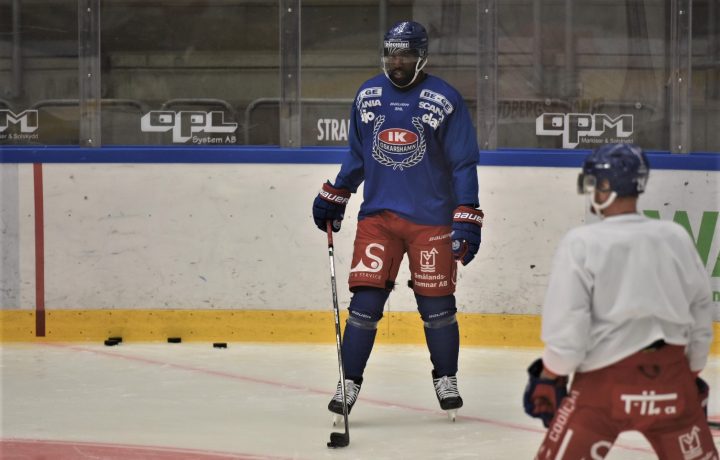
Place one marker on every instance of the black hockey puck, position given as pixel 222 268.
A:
pixel 219 345
pixel 111 342
pixel 117 339
pixel 174 340
pixel 339 440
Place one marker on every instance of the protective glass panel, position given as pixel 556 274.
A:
pixel 185 72
pixel 577 74
pixel 705 104
pixel 569 74
pixel 39 72
pixel 342 47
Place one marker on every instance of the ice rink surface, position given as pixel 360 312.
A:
pixel 264 401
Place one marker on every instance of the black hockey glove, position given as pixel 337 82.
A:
pixel 329 205
pixel 543 396
pixel 703 393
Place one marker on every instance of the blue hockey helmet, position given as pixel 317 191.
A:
pixel 406 35
pixel 408 42
pixel 624 166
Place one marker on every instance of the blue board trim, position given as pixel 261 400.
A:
pixel 169 154
pixel 700 161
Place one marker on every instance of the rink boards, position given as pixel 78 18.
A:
pixel 219 244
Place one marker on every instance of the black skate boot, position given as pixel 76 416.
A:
pixel 352 390
pixel 447 393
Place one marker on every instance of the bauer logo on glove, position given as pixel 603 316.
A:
pixel 329 205
pixel 464 216
pixel 333 198
pixel 466 236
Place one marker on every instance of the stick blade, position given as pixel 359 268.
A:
pixel 338 440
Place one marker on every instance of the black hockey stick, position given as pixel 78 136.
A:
pixel 337 439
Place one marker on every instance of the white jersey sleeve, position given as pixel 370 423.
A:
pixel 619 285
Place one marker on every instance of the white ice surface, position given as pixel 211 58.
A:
pixel 270 401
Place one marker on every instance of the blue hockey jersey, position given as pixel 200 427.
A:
pixel 415 149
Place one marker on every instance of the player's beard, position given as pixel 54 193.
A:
pixel 400 77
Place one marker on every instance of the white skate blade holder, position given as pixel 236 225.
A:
pixel 452 414
pixel 338 419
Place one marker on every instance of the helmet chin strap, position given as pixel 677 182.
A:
pixel 418 67
pixel 599 207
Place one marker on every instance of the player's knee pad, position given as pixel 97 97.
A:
pixel 366 308
pixel 437 312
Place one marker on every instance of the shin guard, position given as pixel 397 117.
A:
pixel 441 332
pixel 366 309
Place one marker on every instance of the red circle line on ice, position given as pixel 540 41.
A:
pixel 17 449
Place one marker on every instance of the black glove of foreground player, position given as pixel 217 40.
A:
pixel 543 396
pixel 703 393
pixel 329 205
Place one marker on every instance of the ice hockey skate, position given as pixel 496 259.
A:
pixel 352 389
pixel 447 393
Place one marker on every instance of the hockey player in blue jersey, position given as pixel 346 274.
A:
pixel 413 143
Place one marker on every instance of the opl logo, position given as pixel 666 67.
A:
pixel 574 126
pixel 185 124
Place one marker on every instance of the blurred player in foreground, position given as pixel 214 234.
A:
pixel 627 311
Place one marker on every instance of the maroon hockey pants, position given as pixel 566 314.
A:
pixel 652 391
